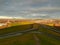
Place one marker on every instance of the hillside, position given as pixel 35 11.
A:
pixel 43 35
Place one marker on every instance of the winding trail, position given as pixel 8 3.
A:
pixel 50 28
pixel 16 33
pixel 36 39
pixel 34 29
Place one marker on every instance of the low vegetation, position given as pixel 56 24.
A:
pixel 15 28
pixel 27 38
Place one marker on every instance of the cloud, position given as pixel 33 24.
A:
pixel 46 9
pixel 10 17
pixel 18 5
pixel 36 14
pixel 29 8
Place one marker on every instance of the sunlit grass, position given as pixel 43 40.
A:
pixel 15 28
pixel 21 23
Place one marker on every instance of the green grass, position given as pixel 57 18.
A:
pixel 28 39
pixel 48 31
pixel 15 28
pixel 48 40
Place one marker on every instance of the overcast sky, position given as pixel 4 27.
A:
pixel 30 8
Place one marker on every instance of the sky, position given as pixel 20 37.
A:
pixel 44 9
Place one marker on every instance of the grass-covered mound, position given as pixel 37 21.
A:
pixel 25 39
pixel 15 28
pixel 43 38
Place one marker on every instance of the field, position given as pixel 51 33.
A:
pixel 47 36
pixel 15 28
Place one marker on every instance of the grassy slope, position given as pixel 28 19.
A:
pixel 27 39
pixel 47 38
pixel 15 28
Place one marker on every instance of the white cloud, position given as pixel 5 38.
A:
pixel 45 9
pixel 36 1
pixel 10 17
pixel 38 14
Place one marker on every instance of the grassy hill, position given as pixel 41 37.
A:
pixel 47 37
pixel 15 28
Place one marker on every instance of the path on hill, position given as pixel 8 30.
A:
pixel 16 33
pixel 36 39
pixel 50 28
pixel 26 31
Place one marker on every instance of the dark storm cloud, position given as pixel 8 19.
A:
pixel 29 7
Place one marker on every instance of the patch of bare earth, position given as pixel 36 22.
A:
pixel 36 39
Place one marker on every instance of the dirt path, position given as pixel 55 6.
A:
pixel 36 39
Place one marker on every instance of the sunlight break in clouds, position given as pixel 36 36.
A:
pixel 9 17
